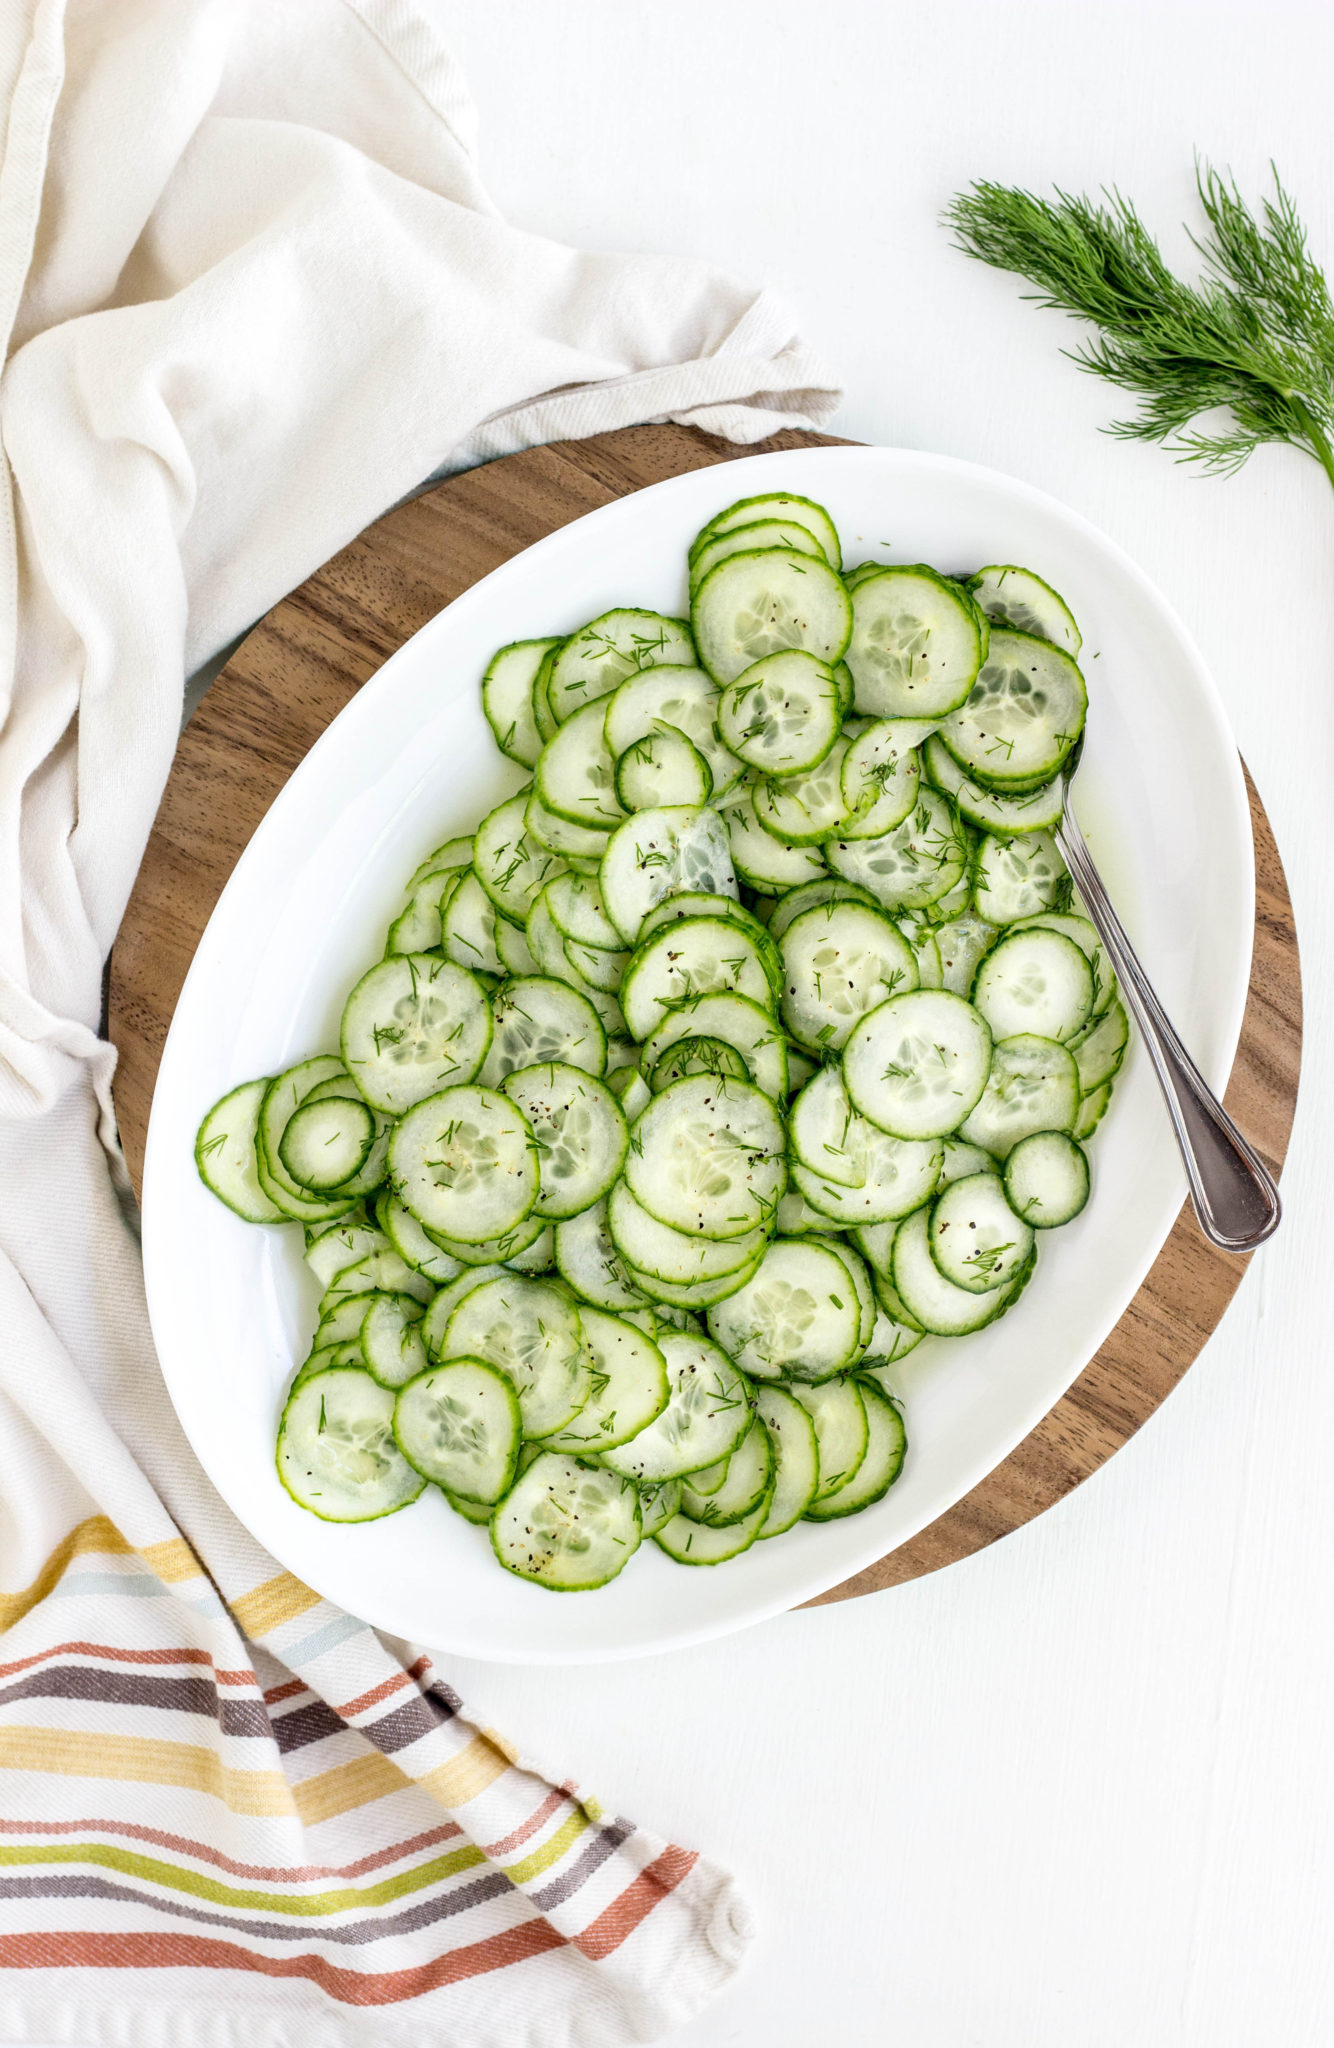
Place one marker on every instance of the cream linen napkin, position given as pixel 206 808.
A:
pixel 254 293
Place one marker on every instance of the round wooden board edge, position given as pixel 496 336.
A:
pixel 309 655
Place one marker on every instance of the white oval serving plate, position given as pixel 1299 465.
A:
pixel 409 762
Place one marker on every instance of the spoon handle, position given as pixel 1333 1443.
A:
pixel 1234 1194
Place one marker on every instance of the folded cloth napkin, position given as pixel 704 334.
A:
pixel 253 292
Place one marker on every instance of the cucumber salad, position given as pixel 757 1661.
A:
pixel 756 1037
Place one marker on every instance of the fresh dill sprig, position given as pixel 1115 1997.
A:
pixel 1253 336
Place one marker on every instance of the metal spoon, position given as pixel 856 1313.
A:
pixel 1234 1194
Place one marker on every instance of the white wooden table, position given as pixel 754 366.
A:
pixel 1076 1792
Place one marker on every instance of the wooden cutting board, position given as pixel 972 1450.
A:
pixel 305 661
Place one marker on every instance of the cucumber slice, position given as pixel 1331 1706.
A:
pixel 630 1387
pixel 916 645
pixel 697 1056
pixel 975 1237
pixel 323 1356
pixel 453 858
pixel 796 1218
pixel 1033 1086
pixel 561 835
pixel 707 1158
pixel 921 937
pixel 809 896
pixel 551 953
pixel 588 1261
pixel 838 1412
pixel 531 1331
pixel 1047 1179
pixel 799 1317
pixel 336 1451
pixel 1086 938
pixel 468 928
pixel 694 1296
pixel 882 1462
pixel 658 1252
pixel 862 1174
pixel 580 1133
pixel 391 1339
pixel 567 1525
pixel 507 698
pixel 512 868
pixel 707 1414
pixel 1091 1112
pixel 657 1505
pixel 796 1460
pixel 1035 981
pixel 660 853
pixel 890 1342
pixel 689 1542
pixel 881 774
pixel 279 1103
pixel 782 714
pixel 760 603
pixel 962 944
pixel 1023 716
pixel 369 1176
pixel 631 1090
pixel 576 776
pixel 512 948
pixel 807 808
pixel 690 957
pixel 759 858
pixel 436 1320
pixel 341 1245
pixel 379 1272
pixel 1100 1048
pixel 574 903
pixel 418 928
pixel 739 540
pixel 537 1259
pixel 749 1481
pixel 774 505
pixel 458 1425
pixel 840 960
pixel 477 1512
pixel 962 1159
pixel 1018 879
pixel 537 1020
pixel 465 1163
pixel 916 864
pixel 508 1249
pixel 340 1322
pixel 225 1154
pixel 707 1482
pixel 1035 810
pixel 1018 599
pixel 666 700
pixel 326 1143
pixel 413 1025
pixel 662 768
pixel 861 1280
pixel 729 1019
pixel 918 1064
pixel 597 659
pixel 930 1299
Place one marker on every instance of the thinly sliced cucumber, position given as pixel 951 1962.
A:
pixel 1100 1049
pixel 921 937
pixel 691 957
pixel 568 1525
pixel 531 1331
pixel 507 698
pixel 975 1237
pixel 1022 717
pixel 381 1271
pixel 538 1258
pixel 391 1339
pixel 807 808
pixel 513 950
pixel 336 1450
pixel 580 1133
pixel 337 1248
pixel 554 961
pixel 916 864
pixel 799 1317
pixel 576 908
pixel 509 1249
pixel 774 505
pixel 930 1299
pixel 962 944
pixel 369 1176
pixel 840 960
pixel 1016 598
pixel 689 1542
pixel 512 868
pixel 453 858
pixel 782 714
pixel 760 603
pixel 697 1056
pixel 225 1154
pixel 630 1387
pixel 660 853
pixel 709 1481
pixel 732 1019
pixel 962 1159
pixel 340 1322
pixel 666 700
pixel 749 1480
pixel 796 1218
pixel 707 1157
pixel 809 896
pixel 418 927
pixel 561 835
pixel 588 1261
pixel 882 1462
pixel 890 1342
pixel 838 1411
pixel 916 646
pixel 657 1505
pixel 537 1020
pixel 881 772
pixel 458 1425
pixel 695 1296
pixel 281 1099
pixel 468 928
pixel 1018 879
pixel 861 1281
pixel 326 1142
pixel 436 1320
pixel 576 776
pixel 1092 1110
pixel 464 1162
pixel 1034 810
pixel 413 1025
pixel 706 1416
pixel 680 1257
pixel 662 768
pixel 918 1064
pixel 324 1356
pixel 1033 1086
pixel 597 659
pixel 1047 1179
pixel 796 1460
pixel 477 1512
pixel 1036 981
pixel 631 1090
pixel 740 540
pixel 863 1175
pixel 759 858
pixel 1086 938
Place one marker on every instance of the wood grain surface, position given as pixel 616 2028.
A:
pixel 303 662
